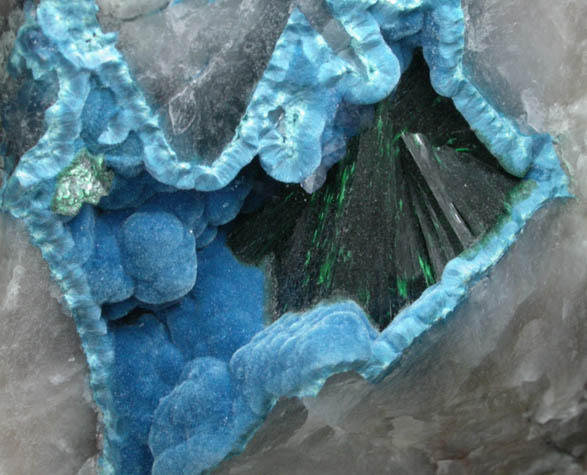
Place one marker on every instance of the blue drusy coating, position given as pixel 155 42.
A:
pixel 183 369
pixel 194 425
pixel 295 355
pixel 109 280
pixel 227 303
pixel 146 368
pixel 186 346
pixel 160 253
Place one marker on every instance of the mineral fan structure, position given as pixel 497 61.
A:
pixel 204 282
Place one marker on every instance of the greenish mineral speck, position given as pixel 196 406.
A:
pixel 85 180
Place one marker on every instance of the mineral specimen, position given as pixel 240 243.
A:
pixel 85 180
pixel 398 209
pixel 184 363
pixel 48 423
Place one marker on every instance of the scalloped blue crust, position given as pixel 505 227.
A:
pixel 228 385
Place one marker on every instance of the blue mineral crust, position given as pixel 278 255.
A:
pixel 181 354
pixel 183 363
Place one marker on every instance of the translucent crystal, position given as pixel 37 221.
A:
pixel 184 369
pixel 198 62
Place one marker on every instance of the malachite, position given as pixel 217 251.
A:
pixel 414 191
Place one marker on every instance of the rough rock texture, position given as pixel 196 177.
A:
pixel 482 390
pixel 47 420
pixel 530 54
pixel 501 387
pixel 194 86
pixel 391 214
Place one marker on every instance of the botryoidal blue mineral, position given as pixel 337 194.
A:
pixel 184 365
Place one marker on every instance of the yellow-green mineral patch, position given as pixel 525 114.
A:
pixel 85 180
